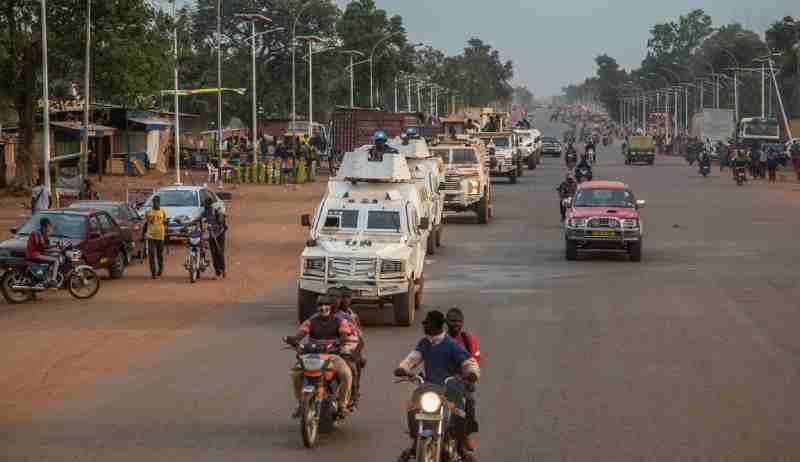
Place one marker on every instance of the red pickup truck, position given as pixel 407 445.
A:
pixel 603 216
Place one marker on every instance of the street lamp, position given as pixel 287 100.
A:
pixel 294 45
pixel 352 75
pixel 253 18
pixel 311 39
pixel 371 75
pixel 177 99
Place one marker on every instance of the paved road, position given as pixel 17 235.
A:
pixel 692 354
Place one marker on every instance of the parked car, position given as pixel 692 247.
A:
pixel 128 219
pixel 93 232
pixel 604 216
pixel 183 205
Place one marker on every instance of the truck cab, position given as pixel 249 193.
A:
pixel 466 186
pixel 504 158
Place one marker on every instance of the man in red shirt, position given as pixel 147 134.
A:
pixel 455 328
pixel 39 245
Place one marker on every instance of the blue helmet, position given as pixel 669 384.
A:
pixel 380 135
pixel 412 132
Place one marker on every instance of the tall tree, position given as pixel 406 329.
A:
pixel 784 37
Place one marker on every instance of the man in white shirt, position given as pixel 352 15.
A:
pixel 40 195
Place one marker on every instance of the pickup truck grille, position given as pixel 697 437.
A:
pixel 451 183
pixel 352 267
pixel 604 222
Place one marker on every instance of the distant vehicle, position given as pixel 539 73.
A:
pixel 551 146
pixel 128 219
pixel 757 129
pixel 504 157
pixel 183 205
pixel 94 232
pixel 604 216
pixel 466 187
pixel 641 149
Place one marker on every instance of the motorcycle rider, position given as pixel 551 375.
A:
pixel 37 248
pixel 380 147
pixel 327 328
pixel 703 160
pixel 741 160
pixel 356 358
pixel 443 357
pixel 583 164
pixel 570 151
pixel 455 329
pixel 565 190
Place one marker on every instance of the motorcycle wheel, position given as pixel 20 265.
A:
pixel 426 450
pixel 83 283
pixel 13 296
pixel 309 424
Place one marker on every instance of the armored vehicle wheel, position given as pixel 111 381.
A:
pixel 306 304
pixel 418 292
pixel 431 243
pixel 512 178
pixel 439 233
pixel 531 163
pixel 483 210
pixel 572 250
pixel 403 305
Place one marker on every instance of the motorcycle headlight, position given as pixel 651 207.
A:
pixel 430 402
pixel 577 222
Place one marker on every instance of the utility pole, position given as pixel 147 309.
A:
pixel 219 85
pixel 86 92
pixel 46 103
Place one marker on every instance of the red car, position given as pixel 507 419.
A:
pixel 603 216
pixel 127 218
pixel 94 232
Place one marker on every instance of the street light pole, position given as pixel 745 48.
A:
pixel 177 99
pixel 219 86
pixel 253 18
pixel 294 46
pixel 46 103
pixel 371 75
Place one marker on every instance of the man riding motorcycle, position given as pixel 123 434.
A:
pixel 469 341
pixel 443 358
pixel 38 247
pixel 571 151
pixel 741 161
pixel 566 190
pixel 327 328
pixel 583 165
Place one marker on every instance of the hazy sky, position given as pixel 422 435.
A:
pixel 553 42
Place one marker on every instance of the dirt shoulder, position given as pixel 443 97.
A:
pixel 55 347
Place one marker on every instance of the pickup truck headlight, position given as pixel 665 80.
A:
pixel 474 187
pixel 577 222
pixel 630 223
pixel 314 266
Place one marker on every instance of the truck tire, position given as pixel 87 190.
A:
pixel 531 163
pixel 483 210
pixel 306 304
pixel 117 269
pixel 520 170
pixel 439 233
pixel 418 292
pixel 431 244
pixel 512 178
pixel 635 251
pixel 403 305
pixel 571 250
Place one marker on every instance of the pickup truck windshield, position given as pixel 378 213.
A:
pixel 61 225
pixel 343 219
pixel 175 198
pixel 620 198
pixel 443 154
pixel 499 142
pixel 383 220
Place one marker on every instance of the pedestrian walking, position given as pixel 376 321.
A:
pixel 154 232
pixel 763 157
pixel 772 164
pixel 40 195
pixel 795 150
pixel 217 226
